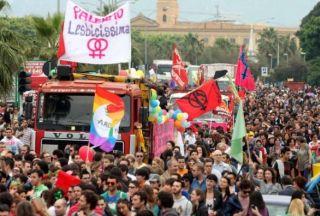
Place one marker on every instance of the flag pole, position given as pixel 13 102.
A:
pixel 87 158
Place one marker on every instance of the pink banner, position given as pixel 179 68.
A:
pixel 161 134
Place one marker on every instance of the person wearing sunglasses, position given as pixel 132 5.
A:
pixel 112 195
pixel 139 161
pixel 245 190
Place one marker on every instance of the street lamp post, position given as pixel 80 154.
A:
pixel 270 60
pixel 287 58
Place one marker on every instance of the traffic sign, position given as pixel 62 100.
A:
pixel 264 71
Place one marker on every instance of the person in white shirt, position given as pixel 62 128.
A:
pixel 218 164
pixel 26 135
pixel 189 137
pixel 181 204
pixel 11 142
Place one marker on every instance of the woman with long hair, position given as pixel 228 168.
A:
pixel 269 185
pixel 198 203
pixel 24 208
pixel 230 203
pixel 257 205
pixel 296 208
pixel 157 166
pixel 304 158
pixel 123 208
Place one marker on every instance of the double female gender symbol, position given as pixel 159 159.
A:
pixel 97 46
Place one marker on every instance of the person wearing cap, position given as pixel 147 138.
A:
pixel 154 181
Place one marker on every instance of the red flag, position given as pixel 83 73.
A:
pixel 201 100
pixel 244 76
pixel 61 51
pixel 61 48
pixel 178 72
pixel 64 181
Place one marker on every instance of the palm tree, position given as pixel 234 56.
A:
pixel 3 4
pixel 10 55
pixel 193 47
pixel 268 42
pixel 48 30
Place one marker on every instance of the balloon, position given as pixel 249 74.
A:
pixel 153 110
pixel 164 112
pixel 86 153
pixel 154 103
pixel 164 118
pixel 153 94
pixel 184 123
pixel 170 113
pixel 188 124
pixel 180 116
pixel 158 109
pixel 140 74
pixel 185 116
pixel 175 114
pixel 160 119
pixel 177 124
pixel 151 119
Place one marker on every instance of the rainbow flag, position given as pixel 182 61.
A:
pixel 108 111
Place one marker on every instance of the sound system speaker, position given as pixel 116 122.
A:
pixel 64 72
pixel 29 99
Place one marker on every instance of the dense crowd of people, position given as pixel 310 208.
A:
pixel 281 146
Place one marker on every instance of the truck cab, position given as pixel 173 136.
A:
pixel 64 111
pixel 163 69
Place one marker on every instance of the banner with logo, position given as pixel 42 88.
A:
pixel 93 39
pixel 108 111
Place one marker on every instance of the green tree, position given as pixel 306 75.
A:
pixel 296 70
pixel 10 54
pixel 315 12
pixel 314 72
pixel 192 47
pixel 309 35
pixel 48 30
pixel 268 42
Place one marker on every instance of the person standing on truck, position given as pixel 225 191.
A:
pixel 11 142
pixel 163 99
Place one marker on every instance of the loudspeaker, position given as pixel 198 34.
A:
pixel 64 72
pixel 29 99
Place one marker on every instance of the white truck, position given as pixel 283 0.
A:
pixel 163 69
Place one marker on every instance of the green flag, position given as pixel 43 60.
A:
pixel 239 131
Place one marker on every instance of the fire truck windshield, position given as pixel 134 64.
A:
pixel 58 111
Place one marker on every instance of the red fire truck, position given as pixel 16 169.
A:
pixel 64 110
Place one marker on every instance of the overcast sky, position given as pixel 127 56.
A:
pixel 273 12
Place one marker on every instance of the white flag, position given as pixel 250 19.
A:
pixel 93 39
